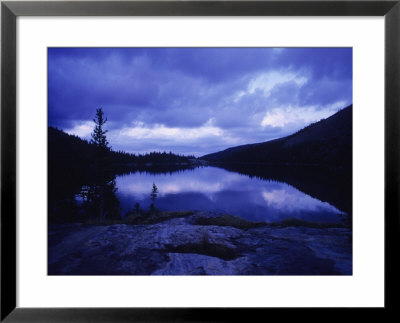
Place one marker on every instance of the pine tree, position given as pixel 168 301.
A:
pixel 102 201
pixel 99 133
pixel 153 196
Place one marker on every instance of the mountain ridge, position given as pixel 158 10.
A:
pixel 326 142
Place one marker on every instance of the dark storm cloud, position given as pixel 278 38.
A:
pixel 207 98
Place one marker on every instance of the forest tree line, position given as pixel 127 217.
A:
pixel 77 167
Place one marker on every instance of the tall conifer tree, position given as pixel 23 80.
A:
pixel 103 201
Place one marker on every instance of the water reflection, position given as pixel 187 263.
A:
pixel 217 189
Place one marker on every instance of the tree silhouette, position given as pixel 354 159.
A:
pixel 137 208
pixel 80 168
pixel 99 138
pixel 153 196
pixel 101 200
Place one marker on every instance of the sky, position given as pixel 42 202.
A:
pixel 195 100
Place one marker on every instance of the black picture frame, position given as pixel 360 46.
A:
pixel 10 10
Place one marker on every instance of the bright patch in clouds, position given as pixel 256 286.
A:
pixel 82 129
pixel 267 81
pixel 280 117
pixel 276 118
pixel 160 131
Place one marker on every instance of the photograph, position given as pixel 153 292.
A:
pixel 200 161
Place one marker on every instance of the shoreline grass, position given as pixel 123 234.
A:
pixel 229 220
pixel 224 220
pixel 293 222
pixel 147 218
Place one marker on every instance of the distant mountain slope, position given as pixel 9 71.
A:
pixel 326 142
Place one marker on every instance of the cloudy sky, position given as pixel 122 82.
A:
pixel 195 100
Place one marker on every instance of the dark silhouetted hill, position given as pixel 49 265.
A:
pixel 326 142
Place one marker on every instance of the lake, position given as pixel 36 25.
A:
pixel 220 190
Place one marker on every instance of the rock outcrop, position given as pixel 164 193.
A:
pixel 180 246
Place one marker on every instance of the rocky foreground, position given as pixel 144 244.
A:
pixel 198 244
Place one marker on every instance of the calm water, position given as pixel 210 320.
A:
pixel 216 189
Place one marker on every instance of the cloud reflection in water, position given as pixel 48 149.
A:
pixel 216 189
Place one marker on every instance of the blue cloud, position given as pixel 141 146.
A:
pixel 244 93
